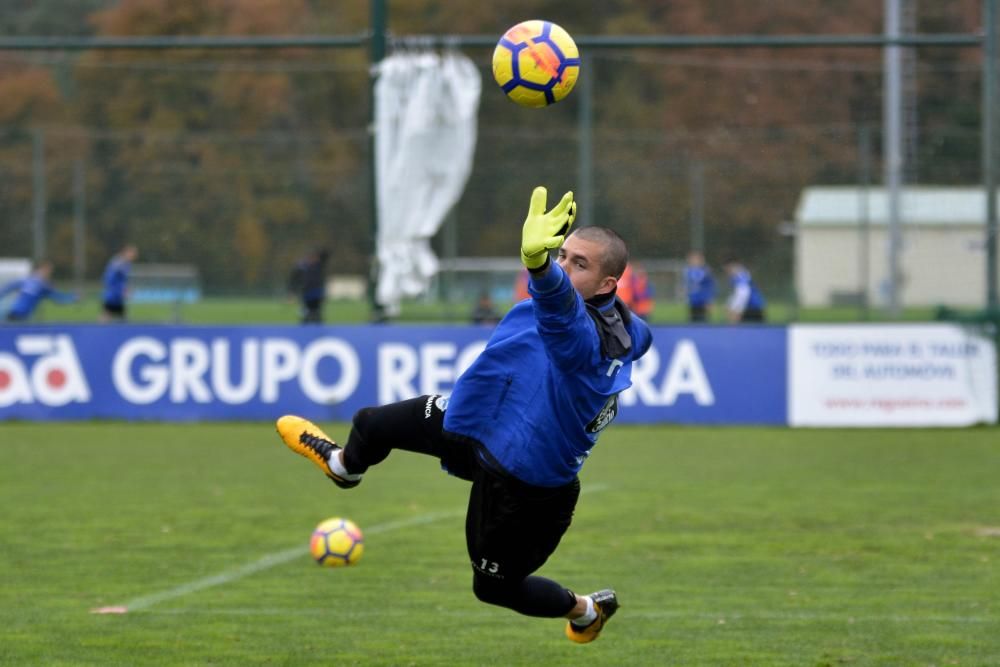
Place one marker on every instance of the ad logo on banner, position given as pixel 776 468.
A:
pixel 146 369
pixel 891 375
pixel 45 369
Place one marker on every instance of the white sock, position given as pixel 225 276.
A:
pixel 338 469
pixel 588 617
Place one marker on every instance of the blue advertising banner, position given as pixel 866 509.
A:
pixel 710 375
pixel 184 373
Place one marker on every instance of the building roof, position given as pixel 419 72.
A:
pixel 919 205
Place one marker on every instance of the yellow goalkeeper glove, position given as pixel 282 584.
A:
pixel 544 231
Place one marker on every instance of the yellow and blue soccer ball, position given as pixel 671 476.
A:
pixel 336 542
pixel 536 63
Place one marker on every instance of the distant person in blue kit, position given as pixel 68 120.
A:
pixel 700 286
pixel 746 303
pixel 521 420
pixel 116 275
pixel 31 290
pixel 308 282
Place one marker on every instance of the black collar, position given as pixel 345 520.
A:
pixel 601 301
pixel 612 324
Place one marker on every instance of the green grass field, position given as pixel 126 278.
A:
pixel 728 546
pixel 263 310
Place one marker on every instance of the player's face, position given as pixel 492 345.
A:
pixel 580 259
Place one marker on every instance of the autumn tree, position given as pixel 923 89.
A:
pixel 238 160
pixel 227 160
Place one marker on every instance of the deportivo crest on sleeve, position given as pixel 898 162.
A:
pixel 605 416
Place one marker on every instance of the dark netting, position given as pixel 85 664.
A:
pixel 238 161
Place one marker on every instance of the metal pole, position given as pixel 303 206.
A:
pixel 164 42
pixel 376 53
pixel 39 197
pixel 893 150
pixel 864 217
pixel 989 148
pixel 585 124
pixel 448 277
pixel 699 41
pixel 79 224
pixel 697 221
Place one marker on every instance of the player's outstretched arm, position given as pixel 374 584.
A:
pixel 10 287
pixel 545 230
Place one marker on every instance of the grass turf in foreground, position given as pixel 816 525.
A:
pixel 727 546
pixel 276 311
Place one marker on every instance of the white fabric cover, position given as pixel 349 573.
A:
pixel 425 136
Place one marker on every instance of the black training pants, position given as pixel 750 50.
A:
pixel 511 528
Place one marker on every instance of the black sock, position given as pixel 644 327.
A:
pixel 532 596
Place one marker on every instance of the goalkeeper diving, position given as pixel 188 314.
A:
pixel 521 420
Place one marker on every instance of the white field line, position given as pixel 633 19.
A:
pixel 265 563
pixel 275 558
pixel 721 618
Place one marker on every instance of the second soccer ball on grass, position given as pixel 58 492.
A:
pixel 336 542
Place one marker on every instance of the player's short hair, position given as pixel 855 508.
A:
pixel 614 259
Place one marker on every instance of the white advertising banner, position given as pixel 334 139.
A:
pixel 890 375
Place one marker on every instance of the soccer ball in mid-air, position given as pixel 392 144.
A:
pixel 337 542
pixel 536 63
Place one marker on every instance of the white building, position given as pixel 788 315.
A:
pixel 943 254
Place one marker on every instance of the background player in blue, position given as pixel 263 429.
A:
pixel 746 303
pixel 308 280
pixel 521 420
pixel 116 275
pixel 31 291
pixel 700 286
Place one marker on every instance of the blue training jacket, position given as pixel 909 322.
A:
pixel 115 279
pixel 745 293
pixel 700 285
pixel 541 392
pixel 30 291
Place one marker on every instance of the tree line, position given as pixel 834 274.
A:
pixel 238 161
